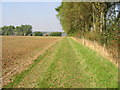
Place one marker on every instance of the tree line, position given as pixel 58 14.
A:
pixel 25 30
pixel 47 33
pixel 22 30
pixel 97 21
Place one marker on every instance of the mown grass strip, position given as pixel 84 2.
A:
pixel 104 71
pixel 43 82
pixel 63 71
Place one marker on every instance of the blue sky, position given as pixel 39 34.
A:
pixel 41 15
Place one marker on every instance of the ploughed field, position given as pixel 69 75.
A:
pixel 20 51
pixel 55 62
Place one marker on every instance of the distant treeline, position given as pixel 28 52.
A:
pixel 22 30
pixel 25 30
pixel 37 33
pixel 97 21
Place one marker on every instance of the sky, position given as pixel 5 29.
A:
pixel 41 15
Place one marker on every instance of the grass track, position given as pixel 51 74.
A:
pixel 68 64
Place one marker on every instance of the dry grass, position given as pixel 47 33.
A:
pixel 20 51
pixel 98 48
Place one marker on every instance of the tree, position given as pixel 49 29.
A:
pixel 55 34
pixel 93 20
pixel 38 34
pixel 22 30
pixel 8 30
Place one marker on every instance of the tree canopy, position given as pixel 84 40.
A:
pixel 22 30
pixel 38 34
pixel 97 21
pixel 56 34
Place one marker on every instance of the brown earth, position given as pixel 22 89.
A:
pixel 20 51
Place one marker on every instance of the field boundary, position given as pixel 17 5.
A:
pixel 19 76
pixel 68 64
pixel 98 48
pixel 12 73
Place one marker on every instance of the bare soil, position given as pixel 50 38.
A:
pixel 20 51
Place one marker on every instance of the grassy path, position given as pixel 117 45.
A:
pixel 68 64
